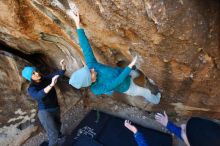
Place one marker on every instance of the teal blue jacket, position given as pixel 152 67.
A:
pixel 109 79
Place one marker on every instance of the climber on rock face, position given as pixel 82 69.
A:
pixel 103 79
pixel 196 132
pixel 42 90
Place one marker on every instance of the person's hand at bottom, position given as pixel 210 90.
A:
pixel 131 127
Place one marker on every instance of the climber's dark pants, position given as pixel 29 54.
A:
pixel 51 123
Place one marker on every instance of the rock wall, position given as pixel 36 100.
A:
pixel 177 43
pixel 18 111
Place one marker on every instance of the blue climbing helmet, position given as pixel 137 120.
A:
pixel 81 78
pixel 27 72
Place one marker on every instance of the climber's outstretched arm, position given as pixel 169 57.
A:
pixel 83 41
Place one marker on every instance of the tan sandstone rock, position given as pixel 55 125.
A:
pixel 177 43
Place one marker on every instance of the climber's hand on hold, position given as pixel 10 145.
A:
pixel 74 14
pixel 62 64
pixel 133 62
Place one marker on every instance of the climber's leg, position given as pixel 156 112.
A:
pixel 135 90
pixel 134 74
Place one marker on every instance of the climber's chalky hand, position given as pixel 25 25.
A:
pixel 133 62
